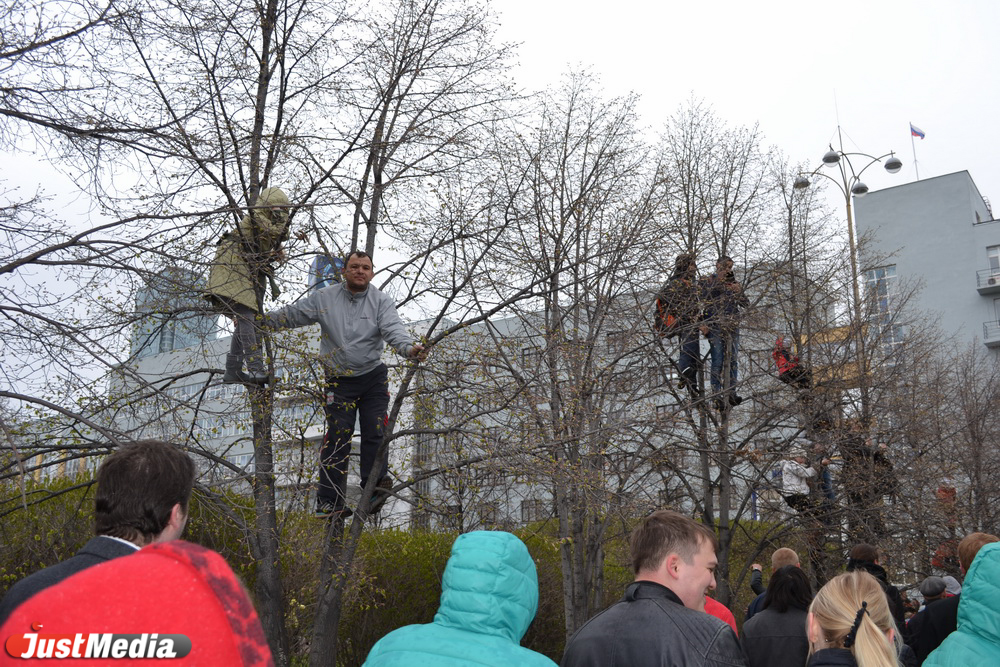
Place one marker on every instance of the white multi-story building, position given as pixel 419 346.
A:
pixel 940 234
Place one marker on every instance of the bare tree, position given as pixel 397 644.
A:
pixel 581 195
pixel 187 110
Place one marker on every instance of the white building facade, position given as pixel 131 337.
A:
pixel 939 233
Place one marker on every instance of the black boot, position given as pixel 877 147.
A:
pixel 235 375
pixel 256 372
pixel 234 370
pixel 689 381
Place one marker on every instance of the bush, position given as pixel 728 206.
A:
pixel 57 523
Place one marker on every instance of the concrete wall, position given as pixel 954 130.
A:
pixel 936 232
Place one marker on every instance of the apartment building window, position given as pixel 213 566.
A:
pixel 489 513
pixel 622 381
pixel 453 406
pixel 244 462
pixel 421 520
pixel 615 343
pixel 660 376
pixel 993 257
pixel 577 351
pixel 681 458
pixel 533 509
pixel 426 444
pixel 530 357
pixel 422 487
pixel 493 435
pixel 881 284
pixel 167 336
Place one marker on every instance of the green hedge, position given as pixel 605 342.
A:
pixel 41 525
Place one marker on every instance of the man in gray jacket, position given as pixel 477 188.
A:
pixel 661 620
pixel 356 320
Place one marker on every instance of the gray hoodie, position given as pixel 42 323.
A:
pixel 353 326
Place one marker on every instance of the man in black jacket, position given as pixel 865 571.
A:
pixel 864 557
pixel 678 313
pixel 143 489
pixel 723 300
pixel 779 559
pixel 661 620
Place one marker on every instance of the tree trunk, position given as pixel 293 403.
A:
pixel 323 648
pixel 268 588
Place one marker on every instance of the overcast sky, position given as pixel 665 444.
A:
pixel 789 67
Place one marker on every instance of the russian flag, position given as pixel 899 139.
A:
pixel 916 131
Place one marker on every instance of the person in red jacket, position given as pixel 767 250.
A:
pixel 168 600
pixel 721 612
pixel 790 369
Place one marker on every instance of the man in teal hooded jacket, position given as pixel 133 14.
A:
pixel 977 639
pixel 489 596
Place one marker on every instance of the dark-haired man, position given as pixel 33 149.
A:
pixel 661 620
pixel 356 319
pixel 678 313
pixel 865 557
pixel 723 300
pixel 143 490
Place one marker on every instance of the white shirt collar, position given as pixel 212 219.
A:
pixel 118 539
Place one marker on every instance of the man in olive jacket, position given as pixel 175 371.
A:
pixel 242 261
pixel 661 621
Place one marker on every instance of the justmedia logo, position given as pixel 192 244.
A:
pixel 96 645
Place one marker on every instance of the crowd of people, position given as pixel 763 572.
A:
pixel 137 574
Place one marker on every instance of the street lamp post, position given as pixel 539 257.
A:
pixel 850 184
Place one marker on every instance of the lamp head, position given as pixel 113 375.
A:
pixel 801 183
pixel 831 157
pixel 893 164
pixel 859 189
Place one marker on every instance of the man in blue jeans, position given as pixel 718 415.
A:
pixel 356 320
pixel 723 300
pixel 678 313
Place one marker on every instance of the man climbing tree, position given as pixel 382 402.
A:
pixel 678 314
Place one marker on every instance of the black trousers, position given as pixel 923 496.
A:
pixel 346 397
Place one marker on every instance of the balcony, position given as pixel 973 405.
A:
pixel 988 281
pixel 991 334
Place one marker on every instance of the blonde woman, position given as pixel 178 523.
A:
pixel 849 624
